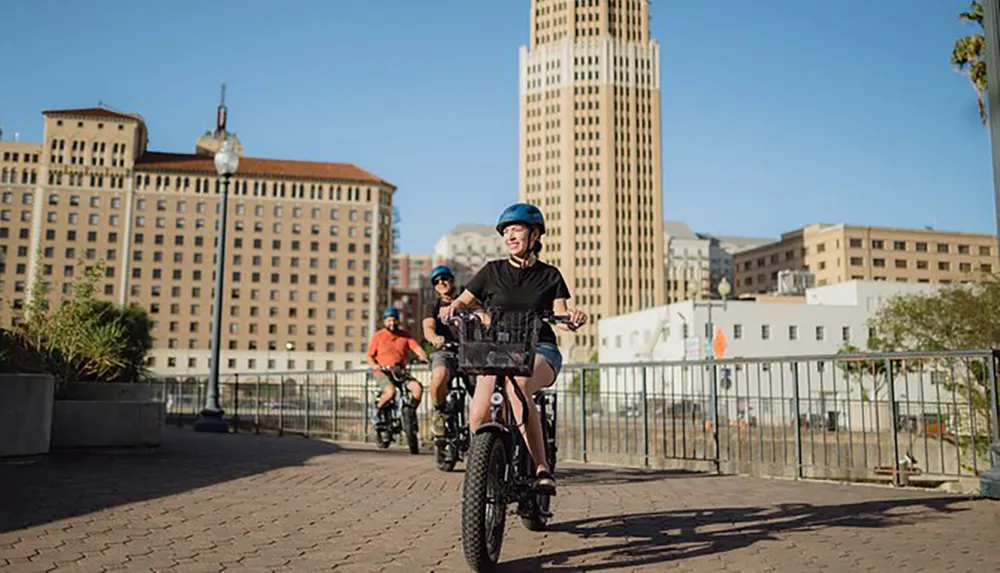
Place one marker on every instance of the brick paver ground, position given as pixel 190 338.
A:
pixel 255 503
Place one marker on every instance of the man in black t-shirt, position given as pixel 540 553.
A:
pixel 444 362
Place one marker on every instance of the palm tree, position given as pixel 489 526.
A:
pixel 969 54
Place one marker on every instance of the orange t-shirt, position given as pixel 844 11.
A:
pixel 389 348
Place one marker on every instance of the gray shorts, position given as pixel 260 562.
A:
pixel 445 359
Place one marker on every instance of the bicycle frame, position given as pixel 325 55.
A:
pixel 503 422
pixel 402 397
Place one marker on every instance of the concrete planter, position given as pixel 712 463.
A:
pixel 96 415
pixel 25 414
pixel 107 392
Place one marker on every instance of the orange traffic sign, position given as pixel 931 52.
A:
pixel 719 344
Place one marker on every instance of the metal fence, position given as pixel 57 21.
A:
pixel 892 417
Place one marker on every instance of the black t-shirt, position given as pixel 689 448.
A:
pixel 501 285
pixel 441 329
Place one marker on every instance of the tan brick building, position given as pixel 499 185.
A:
pixel 590 153
pixel 308 261
pixel 411 271
pixel 839 253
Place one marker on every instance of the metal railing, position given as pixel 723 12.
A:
pixel 892 417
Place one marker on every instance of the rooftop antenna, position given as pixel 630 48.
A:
pixel 220 118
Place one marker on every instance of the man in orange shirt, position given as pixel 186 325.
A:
pixel 389 347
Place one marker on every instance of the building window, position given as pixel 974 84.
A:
pixel 737 331
pixel 820 333
pixel 765 332
pixel 793 332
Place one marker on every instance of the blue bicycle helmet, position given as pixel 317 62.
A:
pixel 441 271
pixel 522 213
pixel 390 311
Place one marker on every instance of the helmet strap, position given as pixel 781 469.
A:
pixel 524 262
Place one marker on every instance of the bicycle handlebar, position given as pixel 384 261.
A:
pixel 547 316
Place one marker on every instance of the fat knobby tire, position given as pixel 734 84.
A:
pixel 474 533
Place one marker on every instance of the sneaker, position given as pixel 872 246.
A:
pixel 440 429
pixel 544 483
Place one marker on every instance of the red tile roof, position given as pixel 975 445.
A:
pixel 94 112
pixel 257 167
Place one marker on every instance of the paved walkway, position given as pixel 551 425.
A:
pixel 249 503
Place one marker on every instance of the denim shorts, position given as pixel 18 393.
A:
pixel 550 353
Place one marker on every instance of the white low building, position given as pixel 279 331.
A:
pixel 663 353
pixel 820 323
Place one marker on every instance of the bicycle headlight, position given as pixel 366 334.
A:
pixel 496 399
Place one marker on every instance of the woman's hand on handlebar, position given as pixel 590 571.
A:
pixel 449 314
pixel 571 321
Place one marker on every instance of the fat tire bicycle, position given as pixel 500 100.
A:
pixel 499 470
pixel 398 416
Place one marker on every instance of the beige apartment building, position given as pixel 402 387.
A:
pixel 839 253
pixel 308 256
pixel 697 262
pixel 590 153
pixel 467 248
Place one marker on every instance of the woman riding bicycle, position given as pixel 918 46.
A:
pixel 522 283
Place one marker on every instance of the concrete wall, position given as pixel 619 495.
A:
pixel 109 392
pixel 25 414
pixel 85 423
pixel 103 415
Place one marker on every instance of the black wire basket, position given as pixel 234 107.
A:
pixel 505 347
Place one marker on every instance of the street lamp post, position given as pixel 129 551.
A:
pixel 989 483
pixel 210 419
pixel 724 289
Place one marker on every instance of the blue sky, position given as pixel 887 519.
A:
pixel 776 113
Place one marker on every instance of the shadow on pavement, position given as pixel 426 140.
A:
pixel 71 483
pixel 597 475
pixel 647 539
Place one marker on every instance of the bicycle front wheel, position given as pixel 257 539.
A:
pixel 483 509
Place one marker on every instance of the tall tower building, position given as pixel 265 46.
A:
pixel 590 153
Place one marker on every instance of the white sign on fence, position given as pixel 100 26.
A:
pixel 692 348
